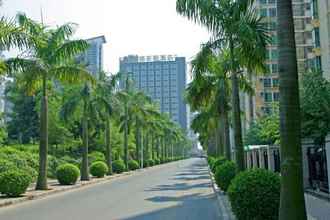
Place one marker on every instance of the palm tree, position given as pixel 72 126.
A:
pixel 80 102
pixel 292 204
pixel 236 26
pixel 50 58
pixel 106 103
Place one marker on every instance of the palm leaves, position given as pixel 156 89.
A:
pixel 49 57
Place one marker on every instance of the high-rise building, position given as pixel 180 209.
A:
pixel 2 94
pixel 163 78
pixel 321 36
pixel 267 85
pixel 93 57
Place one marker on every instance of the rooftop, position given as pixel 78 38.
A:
pixel 145 59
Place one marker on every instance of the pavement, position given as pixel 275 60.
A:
pixel 177 191
pixel 317 208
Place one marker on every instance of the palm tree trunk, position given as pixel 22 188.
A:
pixel 137 138
pixel 239 149
pixel 292 203
pixel 84 165
pixel 126 138
pixel 108 145
pixel 227 136
pixel 43 147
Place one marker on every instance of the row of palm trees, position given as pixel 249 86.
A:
pixel 223 69
pixel 48 59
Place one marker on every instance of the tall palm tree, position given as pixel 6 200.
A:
pixel 292 204
pixel 106 103
pixel 50 58
pixel 235 25
pixel 80 102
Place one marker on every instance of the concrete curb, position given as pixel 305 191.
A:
pixel 33 194
pixel 225 211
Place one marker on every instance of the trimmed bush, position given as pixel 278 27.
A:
pixel 14 183
pixel 224 174
pixel 133 165
pixel 118 166
pixel 218 162
pixel 67 174
pixel 151 162
pixel 255 194
pixel 99 169
pixel 157 161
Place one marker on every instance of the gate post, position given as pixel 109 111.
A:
pixel 305 143
pixel 271 161
pixel 327 150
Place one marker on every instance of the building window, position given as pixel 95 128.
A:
pixel 268 97
pixel 276 96
pixel 267 82
pixel 275 82
pixel 274 68
pixel 263 12
pixel 272 12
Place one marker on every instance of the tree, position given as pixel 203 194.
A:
pixel 292 202
pixel 315 102
pixel 236 26
pixel 50 58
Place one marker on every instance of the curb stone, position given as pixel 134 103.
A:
pixel 224 206
pixel 34 195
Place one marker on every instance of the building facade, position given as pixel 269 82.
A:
pixel 267 85
pixel 93 57
pixel 321 36
pixel 163 78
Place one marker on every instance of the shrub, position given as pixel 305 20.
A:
pixel 133 165
pixel 99 169
pixel 14 183
pixel 224 174
pixel 218 162
pixel 67 174
pixel 96 156
pixel 255 194
pixel 118 166
pixel 210 160
pixel 151 162
pixel 157 161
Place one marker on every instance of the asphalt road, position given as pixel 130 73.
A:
pixel 176 191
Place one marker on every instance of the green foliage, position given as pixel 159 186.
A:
pixel 118 166
pixel 14 183
pixel 255 194
pixel 224 174
pixel 265 131
pixel 133 165
pixel 151 162
pixel 99 169
pixel 157 161
pixel 96 156
pixel 24 124
pixel 217 162
pixel 67 174
pixel 315 102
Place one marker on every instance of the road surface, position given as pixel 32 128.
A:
pixel 176 191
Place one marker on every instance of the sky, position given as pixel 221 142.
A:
pixel 142 27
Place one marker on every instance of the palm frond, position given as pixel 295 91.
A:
pixel 72 74
pixel 68 51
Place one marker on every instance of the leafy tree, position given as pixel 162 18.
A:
pixel 234 25
pixel 50 58
pixel 292 202
pixel 315 102
pixel 23 123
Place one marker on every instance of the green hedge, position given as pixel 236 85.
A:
pixel 118 166
pixel 67 174
pixel 255 194
pixel 224 174
pixel 218 162
pixel 14 183
pixel 99 169
pixel 95 156
pixel 133 165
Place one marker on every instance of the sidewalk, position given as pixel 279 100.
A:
pixel 317 209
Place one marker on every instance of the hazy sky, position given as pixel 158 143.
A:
pixel 143 27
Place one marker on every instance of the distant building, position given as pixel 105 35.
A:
pixel 2 95
pixel 93 57
pixel 163 78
